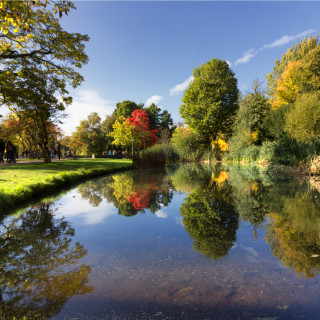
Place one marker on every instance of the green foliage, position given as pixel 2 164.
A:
pixel 154 113
pixel 187 144
pixel 303 119
pixel 91 135
pixel 274 124
pixel 248 127
pixel 211 100
pixel 125 108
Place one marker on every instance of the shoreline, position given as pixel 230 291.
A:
pixel 14 196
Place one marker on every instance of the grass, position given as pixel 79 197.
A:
pixel 22 182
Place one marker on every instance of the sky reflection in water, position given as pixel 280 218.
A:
pixel 187 242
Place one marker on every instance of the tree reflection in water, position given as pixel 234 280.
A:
pixel 131 192
pixel 217 199
pixel 39 270
pixel 210 217
pixel 293 232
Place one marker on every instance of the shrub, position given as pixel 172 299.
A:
pixel 149 159
pixel 171 155
pixel 187 144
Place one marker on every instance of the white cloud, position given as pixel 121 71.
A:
pixel 180 87
pixel 277 43
pixel 154 99
pixel 229 63
pixel 246 57
pixel 85 102
pixel 287 39
pixel 79 210
pixel 161 214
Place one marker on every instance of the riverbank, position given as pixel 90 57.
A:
pixel 22 181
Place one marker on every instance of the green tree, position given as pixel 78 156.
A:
pixel 254 108
pixel 38 60
pixel 166 121
pixel 91 134
pixel 186 143
pixel 303 119
pixel 210 102
pixel 107 127
pixel 154 113
pixel 32 38
pixel 125 108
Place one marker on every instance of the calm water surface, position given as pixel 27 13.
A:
pixel 185 242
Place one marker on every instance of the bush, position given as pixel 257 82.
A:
pixel 149 159
pixel 171 155
pixel 187 144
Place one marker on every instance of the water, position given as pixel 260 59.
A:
pixel 187 242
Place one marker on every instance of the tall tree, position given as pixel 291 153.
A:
pixel 254 108
pixel 144 136
pixel 125 108
pixel 38 60
pixel 211 100
pixel 32 38
pixel 295 53
pixel 154 114
pixel 91 134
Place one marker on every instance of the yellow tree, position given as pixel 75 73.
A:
pixel 123 132
pixel 290 84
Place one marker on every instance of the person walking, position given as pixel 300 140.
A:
pixel 10 152
pixel 2 148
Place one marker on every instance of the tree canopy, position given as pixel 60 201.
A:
pixel 211 100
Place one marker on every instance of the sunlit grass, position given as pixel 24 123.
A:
pixel 19 182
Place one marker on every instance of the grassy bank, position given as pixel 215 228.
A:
pixel 21 182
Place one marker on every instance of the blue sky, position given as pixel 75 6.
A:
pixel 146 51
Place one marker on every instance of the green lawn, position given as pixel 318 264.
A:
pixel 22 181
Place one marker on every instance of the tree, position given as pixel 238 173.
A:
pixel 303 119
pixel 122 133
pixel 91 135
pixel 143 135
pixel 295 53
pixel 154 114
pixel 38 59
pixel 186 142
pixel 166 121
pixel 34 98
pixel 107 127
pixel 211 100
pixel 254 108
pixel 125 108
pixel 290 84
pixel 32 38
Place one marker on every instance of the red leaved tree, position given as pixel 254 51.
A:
pixel 142 133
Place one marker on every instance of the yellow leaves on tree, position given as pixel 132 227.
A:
pixel 290 84
pixel 221 144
